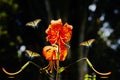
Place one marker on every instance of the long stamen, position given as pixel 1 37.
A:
pixel 51 66
pixel 55 66
pixel 64 42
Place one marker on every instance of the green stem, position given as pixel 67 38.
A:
pixel 91 66
pixel 57 63
pixel 75 62
pixel 57 73
pixel 22 68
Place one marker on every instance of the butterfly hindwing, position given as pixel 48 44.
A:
pixel 87 43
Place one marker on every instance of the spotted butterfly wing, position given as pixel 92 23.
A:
pixel 32 54
pixel 33 23
pixel 87 43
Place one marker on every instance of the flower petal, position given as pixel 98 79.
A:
pixel 53 31
pixel 50 52
pixel 63 52
pixel 66 32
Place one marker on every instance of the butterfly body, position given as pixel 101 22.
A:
pixel 87 43
pixel 34 23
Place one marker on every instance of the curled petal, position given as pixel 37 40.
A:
pixel 56 21
pixel 50 52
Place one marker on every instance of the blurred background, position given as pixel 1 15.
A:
pixel 91 19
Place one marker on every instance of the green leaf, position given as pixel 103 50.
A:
pixel 61 69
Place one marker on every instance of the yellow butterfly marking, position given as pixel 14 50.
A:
pixel 87 43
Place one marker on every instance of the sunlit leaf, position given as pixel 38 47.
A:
pixel 11 43
pixel 15 6
pixel 5 32
pixel 3 14
pixel 61 69
pixel 9 2
pixel 19 39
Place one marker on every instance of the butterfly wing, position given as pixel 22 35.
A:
pixel 30 24
pixel 28 52
pixel 87 43
pixel 33 23
pixel 84 44
pixel 90 41
pixel 32 54
pixel 35 54
pixel 36 22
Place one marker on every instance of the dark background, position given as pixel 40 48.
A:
pixel 87 24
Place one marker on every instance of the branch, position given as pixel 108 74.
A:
pixel 89 63
pixel 22 68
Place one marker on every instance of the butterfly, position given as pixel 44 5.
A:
pixel 33 23
pixel 87 43
pixel 32 54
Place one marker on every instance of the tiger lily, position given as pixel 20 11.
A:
pixel 58 35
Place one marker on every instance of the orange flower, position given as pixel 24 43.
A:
pixel 58 33
pixel 51 53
